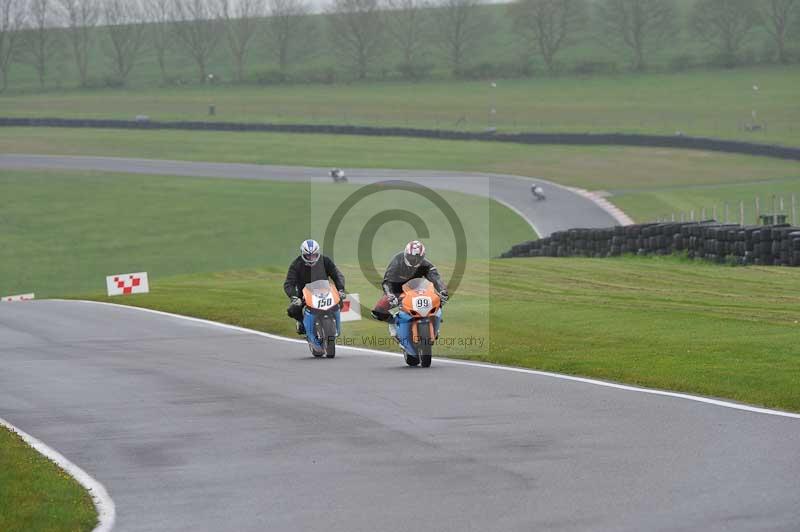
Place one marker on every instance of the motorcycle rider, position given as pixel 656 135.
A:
pixel 406 265
pixel 311 265
pixel 537 192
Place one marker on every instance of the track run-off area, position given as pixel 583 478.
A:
pixel 192 425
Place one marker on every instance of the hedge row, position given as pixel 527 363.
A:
pixel 774 245
pixel 577 139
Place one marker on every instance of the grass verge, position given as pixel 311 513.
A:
pixel 656 322
pixel 61 233
pixel 37 495
pixel 647 206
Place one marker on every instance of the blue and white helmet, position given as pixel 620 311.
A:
pixel 309 251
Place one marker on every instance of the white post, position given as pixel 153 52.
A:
pixel 692 214
pixel 794 210
pixel 758 210
pixel 727 212
pixel 741 213
pixel 703 214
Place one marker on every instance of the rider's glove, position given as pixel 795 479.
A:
pixel 444 296
pixel 342 295
pixel 296 301
pixel 393 301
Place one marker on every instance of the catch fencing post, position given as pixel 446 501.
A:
pixel 794 210
pixel 703 213
pixel 692 214
pixel 758 209
pixel 714 215
pixel 741 213
pixel 774 211
pixel 727 212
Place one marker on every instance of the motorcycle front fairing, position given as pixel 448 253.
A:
pixel 321 299
pixel 404 321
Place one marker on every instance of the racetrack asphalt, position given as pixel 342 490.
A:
pixel 196 427
pixel 563 209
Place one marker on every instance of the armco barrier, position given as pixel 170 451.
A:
pixel 775 245
pixel 575 139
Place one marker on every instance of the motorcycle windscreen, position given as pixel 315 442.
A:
pixel 320 295
pixel 418 284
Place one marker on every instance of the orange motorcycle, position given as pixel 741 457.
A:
pixel 322 317
pixel 417 320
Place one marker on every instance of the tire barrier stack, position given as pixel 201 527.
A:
pixel 569 139
pixel 773 245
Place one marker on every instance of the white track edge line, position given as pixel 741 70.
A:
pixel 106 511
pixel 497 367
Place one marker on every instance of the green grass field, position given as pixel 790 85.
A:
pixel 701 103
pixel 64 232
pixel 663 323
pixel 36 495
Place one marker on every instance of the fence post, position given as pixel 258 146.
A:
pixel 774 210
pixel 794 210
pixel 692 214
pixel 683 217
pixel 703 213
pixel 758 209
pixel 727 212
pixel 673 216
pixel 741 213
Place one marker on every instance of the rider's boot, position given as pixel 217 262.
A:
pixel 301 329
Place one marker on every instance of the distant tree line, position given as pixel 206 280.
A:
pixel 363 33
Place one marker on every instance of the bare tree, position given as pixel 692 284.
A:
pixel 81 18
pixel 548 25
pixel 286 18
pixel 357 32
pixel 406 24
pixel 726 24
pixel 42 41
pixel 126 33
pixel 12 21
pixel 240 20
pixel 197 28
pixel 159 14
pixel 778 17
pixel 638 25
pixel 461 26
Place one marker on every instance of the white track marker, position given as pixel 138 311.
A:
pixel 650 391
pixel 106 511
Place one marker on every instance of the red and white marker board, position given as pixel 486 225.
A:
pixel 351 308
pixel 20 297
pixel 125 284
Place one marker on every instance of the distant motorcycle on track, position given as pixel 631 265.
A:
pixel 538 193
pixel 338 176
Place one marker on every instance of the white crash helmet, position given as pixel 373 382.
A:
pixel 414 254
pixel 310 253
